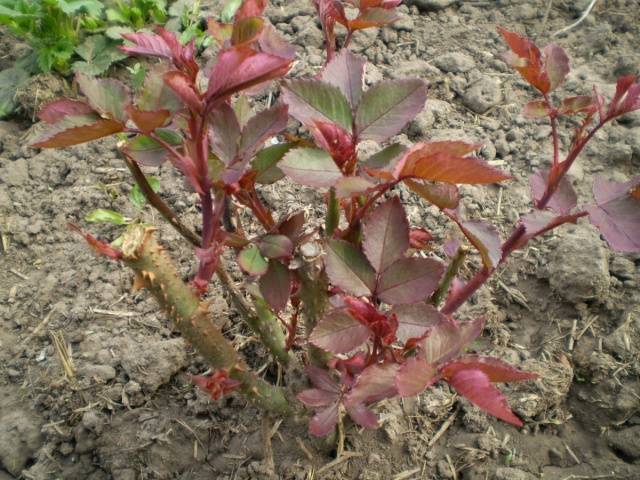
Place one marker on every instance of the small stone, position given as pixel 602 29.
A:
pixel 404 23
pixel 505 473
pixel 15 174
pixel 91 420
pixel 153 364
pixel 482 94
pixel 102 373
pixel 19 438
pixel 454 62
pixel 65 448
pixel 626 442
pixel 374 458
pixel 623 268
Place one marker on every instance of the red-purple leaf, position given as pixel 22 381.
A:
pixel 497 370
pixel 324 421
pixel 348 187
pixel 447 161
pixel 59 109
pixel 275 285
pixel 312 101
pixel 373 17
pixel 419 238
pixel 147 121
pixel 362 415
pixel 225 133
pixel 387 107
pixel 241 67
pixel 251 8
pixel 541 221
pixel 73 130
pixel 98 246
pixel 414 376
pixel 556 64
pixel 311 167
pixel 261 127
pixel 476 387
pixel 182 85
pixel 536 109
pixel 526 58
pixel 276 246
pixel 107 96
pixel 617 213
pixel 414 320
pixel 320 378
pixel 314 397
pixel 564 198
pixel 447 339
pixel 156 94
pixel 146 44
pixel 409 280
pixel 386 234
pixel 375 383
pixel 442 195
pixel 348 268
pixel 626 98
pixel 346 71
pixel 339 332
pixel 486 239
pixel 292 226
pixel 579 104
pixel 246 30
pixel 147 151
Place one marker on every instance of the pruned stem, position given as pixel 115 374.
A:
pixel 155 271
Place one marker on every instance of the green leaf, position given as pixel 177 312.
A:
pixel 252 262
pixel 10 79
pixel 265 163
pixel 349 269
pixel 70 7
pixel 147 151
pixel 115 32
pixel 107 96
pixel 98 54
pixel 229 10
pixel 311 167
pixel 387 107
pixel 137 197
pixel 101 215
pixel 312 100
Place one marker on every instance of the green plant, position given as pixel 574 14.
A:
pixel 136 14
pixel 379 317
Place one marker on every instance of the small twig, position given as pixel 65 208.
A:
pixel 36 330
pixel 573 455
pixel 584 15
pixel 443 428
pixel 572 337
pixel 113 313
pixel 334 463
pixel 18 274
pixel 266 444
pixel 304 449
pixel 340 447
pixel 407 474
pixel 64 355
pixel 584 330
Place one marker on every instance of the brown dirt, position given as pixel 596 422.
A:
pixel 130 411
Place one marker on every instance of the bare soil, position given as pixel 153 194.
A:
pixel 94 383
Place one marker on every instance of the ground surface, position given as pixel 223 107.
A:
pixel 566 307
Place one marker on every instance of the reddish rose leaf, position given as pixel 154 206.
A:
pixel 312 101
pixel 311 167
pixel 107 96
pixel 292 226
pixel 57 110
pixel 362 415
pixel 447 339
pixel 216 385
pixel 373 17
pixel 579 104
pixel 541 221
pixel 146 151
pixel 447 162
pixel 251 8
pixel 276 246
pixel 626 98
pixel 375 383
pixel 339 332
pixel 526 58
pixel 564 198
pixel 387 107
pixel 419 238
pixel 415 319
pixel 275 285
pixel 334 140
pixel 261 127
pixel 617 213
pixel 556 63
pixel 76 129
pixel 98 246
pixel 442 195
pixel 348 268
pixel 346 71
pixel 182 85
pixel 497 370
pixel 476 387
pixel 536 109
pixel 324 421
pixel 320 378
pixel 486 239
pixel 240 68
pixel 146 44
pixel 409 280
pixel 225 132
pixel 155 93
pixel 386 234
pixel 348 187
pixel 414 376
pixel 147 121
pixel 314 397
pixel 246 30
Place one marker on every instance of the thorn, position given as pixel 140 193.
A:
pixel 138 282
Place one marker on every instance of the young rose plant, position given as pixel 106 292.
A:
pixel 379 316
